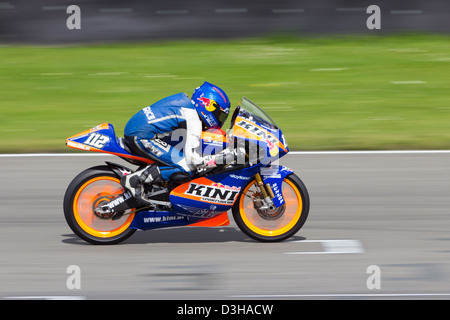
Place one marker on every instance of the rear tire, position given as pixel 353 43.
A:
pixel 83 194
pixel 277 227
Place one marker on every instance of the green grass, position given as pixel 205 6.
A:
pixel 390 92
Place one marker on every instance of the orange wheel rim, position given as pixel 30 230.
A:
pixel 272 228
pixel 87 195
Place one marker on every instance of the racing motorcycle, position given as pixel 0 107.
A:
pixel 268 202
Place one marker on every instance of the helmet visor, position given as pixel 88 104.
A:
pixel 222 117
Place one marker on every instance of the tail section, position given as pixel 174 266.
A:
pixel 101 138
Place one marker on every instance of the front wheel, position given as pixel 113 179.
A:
pixel 83 195
pixel 279 225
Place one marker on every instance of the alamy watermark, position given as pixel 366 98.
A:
pixel 374 20
pixel 73 22
pixel 74 279
pixel 374 280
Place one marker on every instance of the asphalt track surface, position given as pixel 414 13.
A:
pixel 385 210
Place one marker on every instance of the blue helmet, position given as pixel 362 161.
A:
pixel 212 104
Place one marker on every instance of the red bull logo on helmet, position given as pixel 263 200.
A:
pixel 209 104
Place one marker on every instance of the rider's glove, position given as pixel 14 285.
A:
pixel 208 162
pixel 225 157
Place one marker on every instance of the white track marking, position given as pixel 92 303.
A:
pixel 46 298
pixel 24 155
pixel 332 247
pixel 343 295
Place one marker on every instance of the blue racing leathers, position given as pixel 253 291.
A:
pixel 168 132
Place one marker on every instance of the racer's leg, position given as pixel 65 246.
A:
pixel 135 181
pixel 162 153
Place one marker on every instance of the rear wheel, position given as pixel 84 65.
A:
pixel 87 191
pixel 279 224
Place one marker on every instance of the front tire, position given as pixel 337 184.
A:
pixel 83 194
pixel 277 227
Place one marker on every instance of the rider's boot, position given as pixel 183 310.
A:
pixel 135 181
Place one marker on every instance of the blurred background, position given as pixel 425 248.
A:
pixel 44 21
pixel 330 83
pixel 328 80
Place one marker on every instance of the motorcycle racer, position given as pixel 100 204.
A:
pixel 169 132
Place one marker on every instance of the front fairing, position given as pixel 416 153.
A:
pixel 250 123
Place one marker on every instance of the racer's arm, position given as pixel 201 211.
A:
pixel 192 151
pixel 193 136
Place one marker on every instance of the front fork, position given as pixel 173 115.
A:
pixel 267 193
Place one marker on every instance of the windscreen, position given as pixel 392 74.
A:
pixel 249 109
